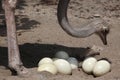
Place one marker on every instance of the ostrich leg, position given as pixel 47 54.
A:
pixel 14 60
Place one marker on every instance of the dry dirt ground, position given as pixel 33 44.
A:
pixel 39 35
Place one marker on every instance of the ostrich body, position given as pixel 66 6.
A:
pixel 14 61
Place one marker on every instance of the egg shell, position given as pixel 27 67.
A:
pixel 101 67
pixel 48 67
pixel 45 60
pixel 88 64
pixel 73 62
pixel 73 66
pixel 62 55
pixel 63 66
pixel 54 59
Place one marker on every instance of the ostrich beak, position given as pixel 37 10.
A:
pixel 103 35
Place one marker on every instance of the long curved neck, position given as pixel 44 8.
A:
pixel 64 23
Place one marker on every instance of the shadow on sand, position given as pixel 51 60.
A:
pixel 32 53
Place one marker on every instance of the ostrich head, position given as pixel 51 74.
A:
pixel 102 33
pixel 99 26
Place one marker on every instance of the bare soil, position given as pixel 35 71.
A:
pixel 39 35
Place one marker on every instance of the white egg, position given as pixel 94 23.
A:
pixel 61 55
pixel 48 67
pixel 63 66
pixel 45 60
pixel 101 67
pixel 88 64
pixel 73 66
pixel 73 62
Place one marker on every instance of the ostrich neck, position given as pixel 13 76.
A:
pixel 85 31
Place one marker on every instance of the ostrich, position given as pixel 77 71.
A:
pixel 14 61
